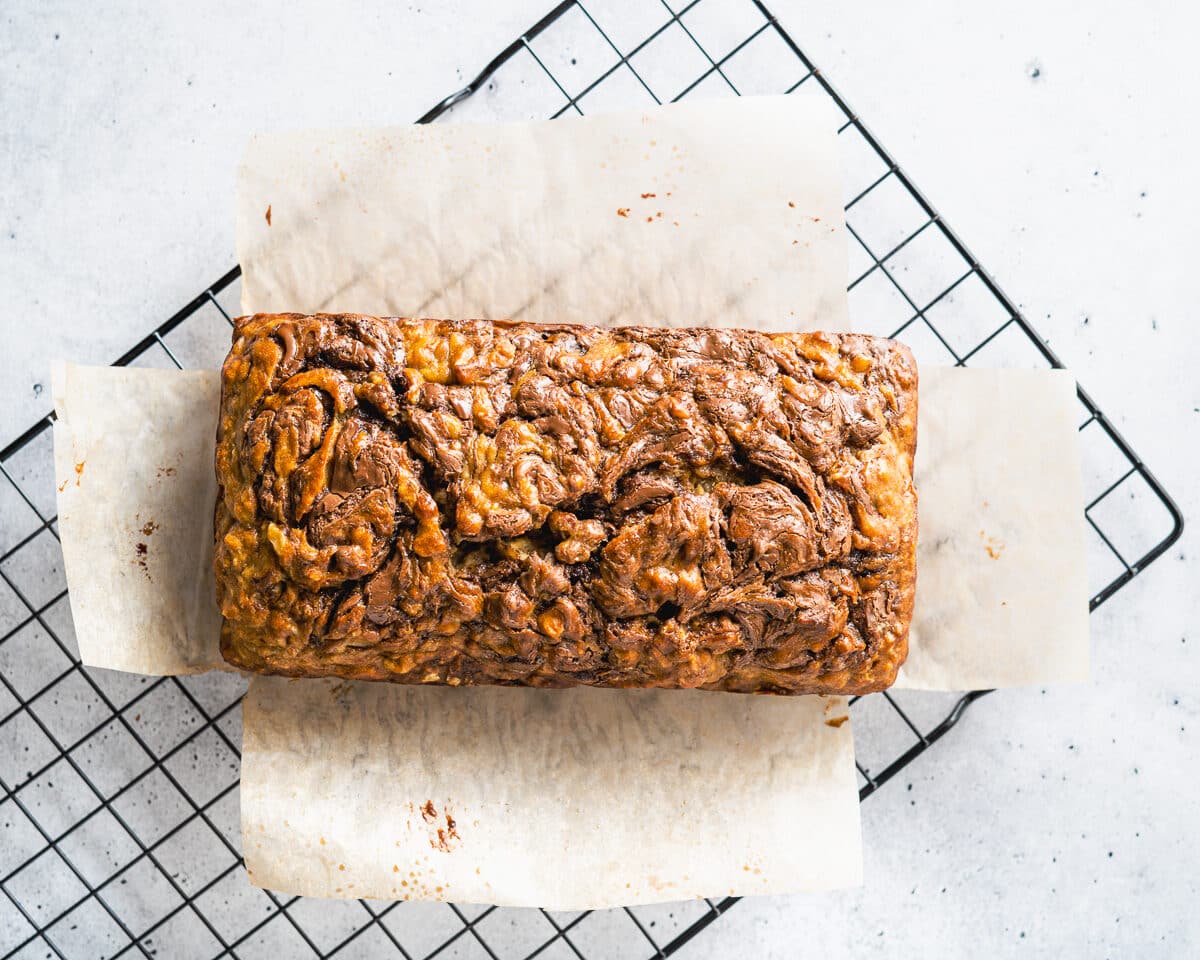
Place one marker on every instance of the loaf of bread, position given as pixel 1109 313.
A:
pixel 477 502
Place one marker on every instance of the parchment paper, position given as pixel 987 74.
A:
pixel 375 222
pixel 726 212
pixel 1002 595
pixel 567 799
pixel 133 461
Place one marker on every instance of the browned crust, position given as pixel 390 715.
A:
pixel 471 502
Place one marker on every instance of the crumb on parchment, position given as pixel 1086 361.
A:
pixel 79 465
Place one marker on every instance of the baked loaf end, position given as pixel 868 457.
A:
pixel 479 502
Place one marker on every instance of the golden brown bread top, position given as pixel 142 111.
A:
pixel 490 502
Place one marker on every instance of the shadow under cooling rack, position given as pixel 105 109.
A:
pixel 119 821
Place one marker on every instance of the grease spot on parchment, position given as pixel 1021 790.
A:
pixel 993 545
pixel 442 827
pixel 79 465
pixel 834 722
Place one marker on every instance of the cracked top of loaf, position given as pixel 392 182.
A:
pixel 469 502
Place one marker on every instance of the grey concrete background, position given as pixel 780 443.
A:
pixel 1059 142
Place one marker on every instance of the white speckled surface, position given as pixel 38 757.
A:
pixel 1060 146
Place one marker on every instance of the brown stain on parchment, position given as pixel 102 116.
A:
pixel 442 827
pixel 268 214
pixel 993 545
pixel 834 722
pixel 651 215
pixel 447 834
pixel 141 549
pixel 79 465
pixel 420 883
pixel 339 690
pixel 658 885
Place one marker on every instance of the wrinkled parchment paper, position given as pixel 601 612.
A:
pixel 133 460
pixel 1002 595
pixel 564 798
pixel 321 755
pixel 720 213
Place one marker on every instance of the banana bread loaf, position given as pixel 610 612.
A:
pixel 491 502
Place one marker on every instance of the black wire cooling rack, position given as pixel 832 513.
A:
pixel 119 825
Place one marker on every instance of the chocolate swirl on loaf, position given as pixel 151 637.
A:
pixel 476 502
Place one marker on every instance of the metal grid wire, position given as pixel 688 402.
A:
pixel 119 832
